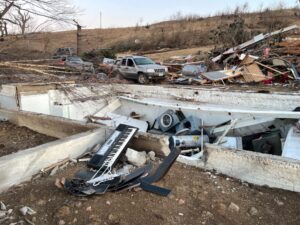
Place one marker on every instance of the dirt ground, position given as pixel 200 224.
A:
pixel 14 138
pixel 198 197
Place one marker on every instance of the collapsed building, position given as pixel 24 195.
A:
pixel 128 136
pixel 268 59
pixel 250 136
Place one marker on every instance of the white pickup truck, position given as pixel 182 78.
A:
pixel 141 69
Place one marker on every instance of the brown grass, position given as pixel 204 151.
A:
pixel 171 34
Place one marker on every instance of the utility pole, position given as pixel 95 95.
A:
pixel 100 20
pixel 78 36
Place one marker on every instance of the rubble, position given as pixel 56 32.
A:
pixel 230 130
pixel 136 158
pixel 253 211
pixel 252 62
pixel 105 178
pixel 2 214
pixel 234 207
pixel 2 206
pixel 152 155
pixel 27 211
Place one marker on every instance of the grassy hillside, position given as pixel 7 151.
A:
pixel 183 33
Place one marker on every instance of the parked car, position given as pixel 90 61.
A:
pixel 141 69
pixel 77 63
pixel 62 53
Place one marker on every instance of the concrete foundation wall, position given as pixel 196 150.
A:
pixel 20 167
pixel 8 97
pixel 48 125
pixel 274 101
pixel 61 128
pixel 63 100
pixel 37 103
pixel 254 168
pixel 47 104
pixel 75 102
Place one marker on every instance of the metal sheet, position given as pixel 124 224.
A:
pixel 217 75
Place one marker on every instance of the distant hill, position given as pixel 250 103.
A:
pixel 183 33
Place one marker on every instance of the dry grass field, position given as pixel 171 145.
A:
pixel 184 33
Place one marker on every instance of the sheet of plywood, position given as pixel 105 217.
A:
pixel 252 73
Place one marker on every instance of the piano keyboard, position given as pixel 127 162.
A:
pixel 109 153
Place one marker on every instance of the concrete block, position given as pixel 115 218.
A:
pixel 136 158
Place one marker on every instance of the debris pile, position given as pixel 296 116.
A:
pixel 7 214
pixel 49 68
pixel 106 174
pixel 187 129
pixel 186 69
pixel 267 59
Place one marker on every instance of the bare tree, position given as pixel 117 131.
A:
pixel 6 6
pixel 245 7
pixel 21 19
pixel 19 12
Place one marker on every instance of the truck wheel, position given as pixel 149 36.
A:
pixel 143 79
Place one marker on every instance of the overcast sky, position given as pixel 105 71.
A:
pixel 122 13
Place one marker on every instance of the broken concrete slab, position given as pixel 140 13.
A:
pixel 136 158
pixel 151 142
